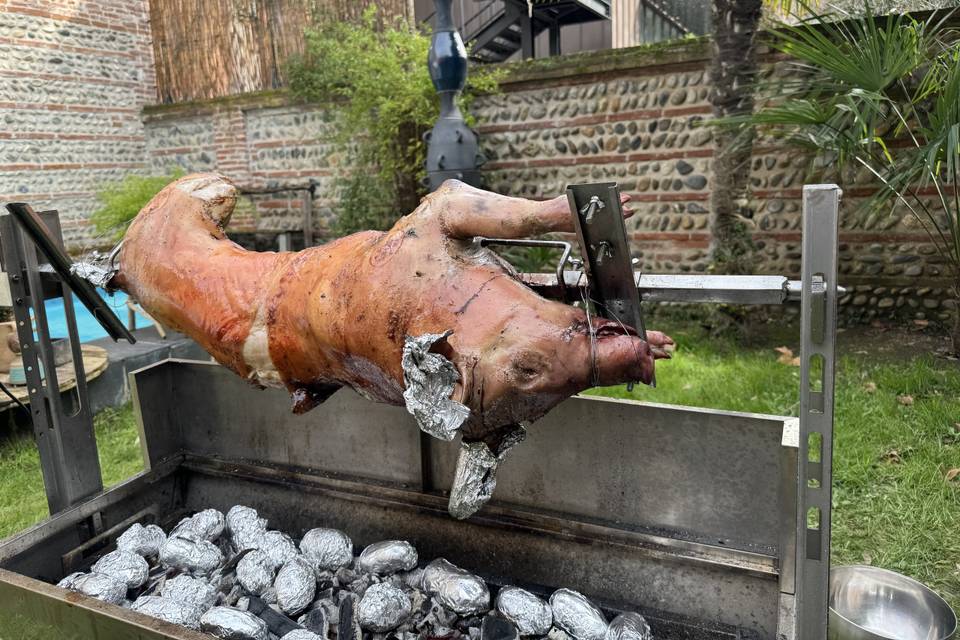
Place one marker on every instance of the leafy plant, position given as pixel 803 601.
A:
pixel 376 74
pixel 881 95
pixel 121 201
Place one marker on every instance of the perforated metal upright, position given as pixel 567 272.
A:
pixel 62 423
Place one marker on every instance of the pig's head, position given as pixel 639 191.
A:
pixel 543 353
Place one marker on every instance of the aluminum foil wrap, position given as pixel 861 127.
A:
pixel 476 474
pixel 125 566
pixel 233 624
pixel 383 607
pixel 296 584
pixel 576 615
pixel 532 615
pixel 327 549
pixel 456 589
pixel 98 272
pixel 96 585
pixel 193 591
pixel 203 525
pixel 279 547
pixel 197 557
pixel 182 613
pixel 246 527
pixel 301 634
pixel 429 379
pixel 629 626
pixel 388 556
pixel 142 540
pixel 255 572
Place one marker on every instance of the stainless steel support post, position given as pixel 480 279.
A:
pixel 62 423
pixel 818 328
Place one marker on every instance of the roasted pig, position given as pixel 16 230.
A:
pixel 418 315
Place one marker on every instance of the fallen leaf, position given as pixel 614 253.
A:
pixel 867 558
pixel 870 387
pixel 952 475
pixel 892 456
pixel 787 357
pixel 921 323
pixel 906 400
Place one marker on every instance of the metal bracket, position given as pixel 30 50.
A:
pixel 818 327
pixel 598 221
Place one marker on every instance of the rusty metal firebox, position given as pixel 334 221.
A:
pixel 694 517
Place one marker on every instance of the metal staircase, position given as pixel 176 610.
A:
pixel 500 28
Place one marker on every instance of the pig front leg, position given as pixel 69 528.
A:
pixel 467 212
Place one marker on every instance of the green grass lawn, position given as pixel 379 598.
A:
pixel 894 504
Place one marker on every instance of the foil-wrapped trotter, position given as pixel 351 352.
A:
pixel 532 615
pixel 255 572
pixel 194 556
pixel 475 477
pixel 204 525
pixel 192 591
pixel 142 540
pixel 388 556
pixel 233 624
pixel 296 584
pixel 454 588
pixel 629 626
pixel 576 615
pixel 327 549
pixel 182 613
pixel 383 607
pixel 125 566
pixel 96 585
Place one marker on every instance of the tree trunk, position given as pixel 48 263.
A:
pixel 955 332
pixel 732 76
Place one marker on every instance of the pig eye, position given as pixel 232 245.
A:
pixel 527 366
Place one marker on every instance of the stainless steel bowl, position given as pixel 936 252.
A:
pixel 867 603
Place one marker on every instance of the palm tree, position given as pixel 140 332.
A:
pixel 880 95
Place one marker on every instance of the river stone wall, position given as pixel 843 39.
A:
pixel 74 76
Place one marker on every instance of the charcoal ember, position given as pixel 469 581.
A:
pixel 255 572
pixel 455 588
pixel 194 591
pixel 388 556
pixel 269 596
pixel 383 607
pixel 556 633
pixel 315 620
pixel 279 547
pixel 473 633
pixel 243 603
pixel 302 634
pixel 96 585
pixel 344 576
pixel 142 540
pixel 182 613
pixel 296 585
pixel 576 615
pixel 327 549
pixel 129 568
pixel 532 615
pixel 629 626
pixel 245 527
pixel 233 624
pixel 204 525
pixel 438 622
pixel 360 585
pixel 199 557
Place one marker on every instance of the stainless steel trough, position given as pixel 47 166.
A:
pixel 712 524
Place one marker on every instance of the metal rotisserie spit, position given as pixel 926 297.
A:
pixel 697 519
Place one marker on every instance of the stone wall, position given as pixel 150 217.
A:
pixel 74 76
pixel 630 115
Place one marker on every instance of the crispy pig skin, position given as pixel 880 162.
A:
pixel 338 314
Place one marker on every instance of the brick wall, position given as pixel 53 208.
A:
pixel 74 76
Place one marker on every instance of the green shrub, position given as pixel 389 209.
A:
pixel 121 201
pixel 376 74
